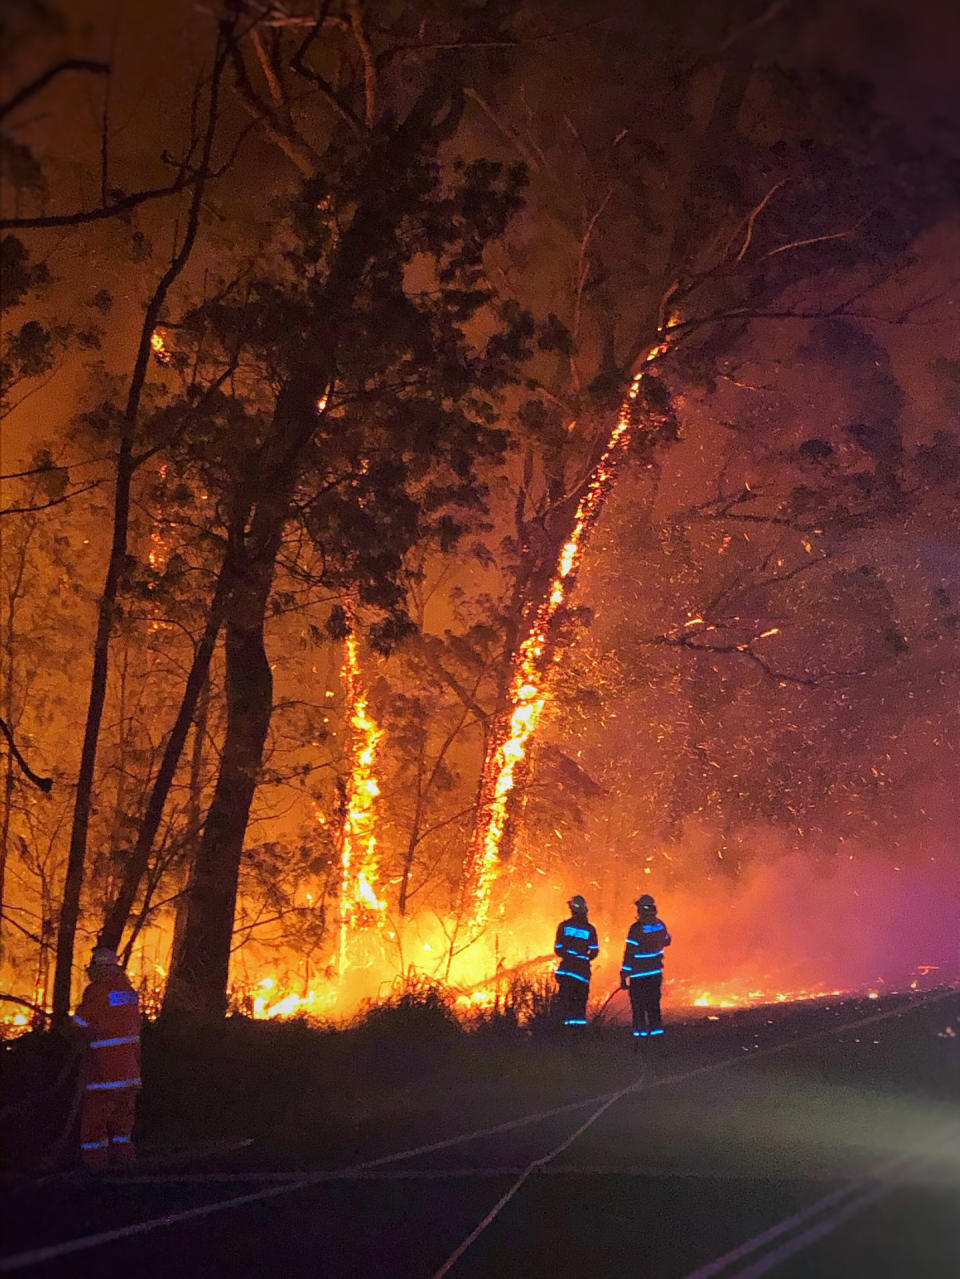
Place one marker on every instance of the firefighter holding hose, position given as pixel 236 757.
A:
pixel 642 970
pixel 576 946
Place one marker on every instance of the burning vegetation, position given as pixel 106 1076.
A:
pixel 500 503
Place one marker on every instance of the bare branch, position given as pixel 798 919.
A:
pixel 283 132
pixel 815 239
pixel 689 642
pixel 40 83
pixel 42 783
pixel 116 209
pixel 54 501
pixel 583 272
pixel 370 79
pixel 754 214
pixel 326 88
pixel 269 73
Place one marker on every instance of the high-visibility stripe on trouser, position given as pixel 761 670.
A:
pixel 106 1126
pixel 645 1001
pixel 565 972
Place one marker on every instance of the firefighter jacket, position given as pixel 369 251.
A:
pixel 643 953
pixel 109 1014
pixel 576 945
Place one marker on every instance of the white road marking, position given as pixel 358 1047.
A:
pixel 35 1256
pixel 858 1195
pixel 638 1087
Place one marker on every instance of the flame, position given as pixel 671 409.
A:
pixel 158 554
pixel 530 667
pixel 730 996
pixel 159 347
pixel 359 868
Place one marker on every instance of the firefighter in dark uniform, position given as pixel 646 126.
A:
pixel 576 946
pixel 642 969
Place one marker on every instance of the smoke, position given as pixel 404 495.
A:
pixel 790 925
pixel 794 924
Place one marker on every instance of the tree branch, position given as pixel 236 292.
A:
pixel 369 64
pixel 326 88
pixel 42 783
pixel 754 214
pixel 294 146
pixel 36 86
pixel 114 210
pixel 45 506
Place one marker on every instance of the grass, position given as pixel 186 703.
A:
pixel 405 1070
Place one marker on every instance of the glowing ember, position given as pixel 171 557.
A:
pixel 359 903
pixel 530 667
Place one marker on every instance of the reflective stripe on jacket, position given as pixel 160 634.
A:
pixel 110 1014
pixel 576 945
pixel 643 953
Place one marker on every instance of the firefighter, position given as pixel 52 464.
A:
pixel 576 946
pixel 642 969
pixel 109 1020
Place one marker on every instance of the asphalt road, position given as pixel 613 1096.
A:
pixel 823 1149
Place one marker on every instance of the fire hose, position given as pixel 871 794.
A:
pixel 603 1007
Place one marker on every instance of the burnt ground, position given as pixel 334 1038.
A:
pixel 813 1141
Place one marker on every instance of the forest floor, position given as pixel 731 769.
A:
pixel 817 1139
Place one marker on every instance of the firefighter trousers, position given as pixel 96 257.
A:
pixel 645 1004
pixel 106 1127
pixel 573 1000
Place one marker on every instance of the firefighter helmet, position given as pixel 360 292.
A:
pixel 646 902
pixel 578 904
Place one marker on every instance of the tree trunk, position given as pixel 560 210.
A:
pixel 139 859
pixel 76 858
pixel 126 466
pixel 193 821
pixel 9 714
pixel 198 976
pixel 198 981
pixel 716 98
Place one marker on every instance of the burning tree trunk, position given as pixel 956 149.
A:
pixel 359 870
pixel 507 749
pixel 715 94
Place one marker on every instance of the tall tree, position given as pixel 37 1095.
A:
pixel 719 219
pixel 126 464
pixel 374 372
